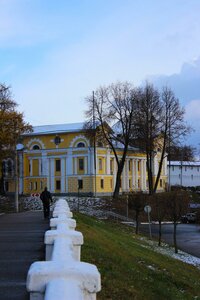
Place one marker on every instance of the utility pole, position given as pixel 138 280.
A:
pixel 169 156
pixel 16 182
pixel 181 169
pixel 94 129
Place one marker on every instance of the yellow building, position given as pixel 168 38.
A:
pixel 61 157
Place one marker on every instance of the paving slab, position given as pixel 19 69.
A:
pixel 21 243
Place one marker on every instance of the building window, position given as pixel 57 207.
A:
pixel 192 177
pixel 80 145
pixel 58 185
pixel 80 184
pixel 129 165
pixel 57 165
pixel 172 168
pixel 111 185
pixel 185 169
pixel 161 183
pixel 35 186
pixel 36 147
pixel 100 164
pixel 138 183
pixel 138 166
pixel 102 183
pixel 29 168
pixel 31 186
pixel 129 183
pixel 57 140
pixel 41 185
pixel 81 164
pixel 111 166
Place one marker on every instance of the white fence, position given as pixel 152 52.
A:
pixel 63 276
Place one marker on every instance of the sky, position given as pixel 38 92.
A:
pixel 53 54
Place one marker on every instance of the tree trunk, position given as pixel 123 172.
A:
pixel 149 172
pixel 160 166
pixel 119 172
pixel 160 233
pixel 117 184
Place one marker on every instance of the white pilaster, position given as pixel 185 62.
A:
pixel 91 153
pixel 63 175
pixel 145 171
pixel 69 161
pixel 52 175
pixel 85 165
pixel 89 161
pixel 136 174
pixel 114 172
pixel 75 165
pixel 108 162
pixel 46 171
pixel 133 174
pixel 21 173
pixel 124 178
pixel 31 167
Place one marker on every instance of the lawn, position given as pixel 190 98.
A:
pixel 129 268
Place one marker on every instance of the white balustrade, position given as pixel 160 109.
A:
pixel 62 275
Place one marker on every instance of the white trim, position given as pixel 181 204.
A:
pixel 52 172
pixel 35 141
pixel 77 139
pixel 63 175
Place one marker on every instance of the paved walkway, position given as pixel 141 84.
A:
pixel 21 243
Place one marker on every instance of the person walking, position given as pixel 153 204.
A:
pixel 46 200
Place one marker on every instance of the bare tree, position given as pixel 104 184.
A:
pixel 173 126
pixel 159 203
pixel 181 153
pixel 112 107
pixel 178 205
pixel 137 202
pixel 147 126
pixel 159 122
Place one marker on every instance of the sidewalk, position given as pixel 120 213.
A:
pixel 21 243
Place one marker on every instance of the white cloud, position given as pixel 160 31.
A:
pixel 192 110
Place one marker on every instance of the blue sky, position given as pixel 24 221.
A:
pixel 54 53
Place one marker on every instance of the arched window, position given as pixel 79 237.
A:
pixel 36 147
pixel 80 145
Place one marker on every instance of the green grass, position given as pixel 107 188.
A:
pixel 131 271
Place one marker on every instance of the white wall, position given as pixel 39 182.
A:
pixel 184 173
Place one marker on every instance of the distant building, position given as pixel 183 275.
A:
pixel 63 158
pixel 184 173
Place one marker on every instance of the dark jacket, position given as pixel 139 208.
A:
pixel 46 197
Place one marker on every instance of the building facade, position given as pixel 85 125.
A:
pixel 63 158
pixel 184 173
